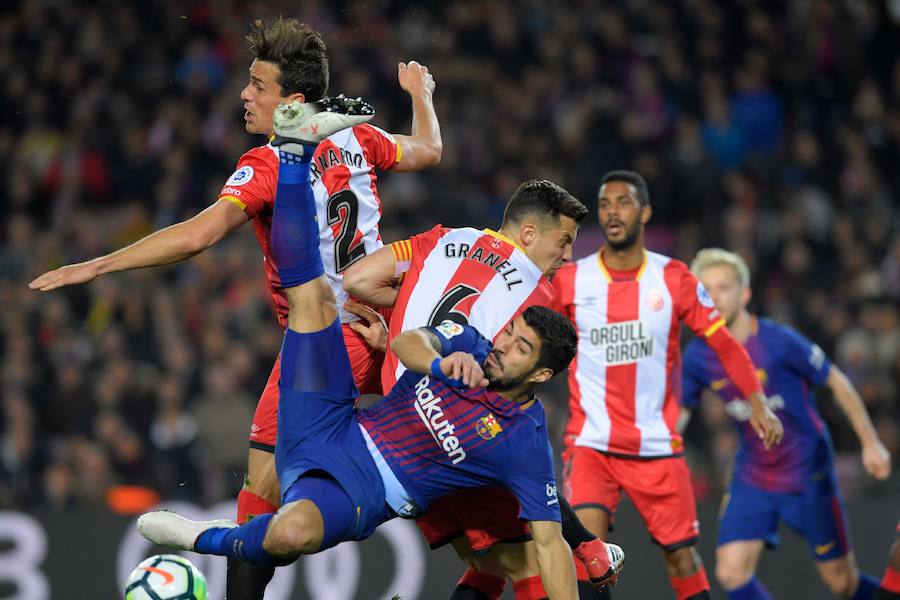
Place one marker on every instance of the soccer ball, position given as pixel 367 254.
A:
pixel 166 577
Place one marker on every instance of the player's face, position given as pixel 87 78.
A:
pixel 550 246
pixel 724 287
pixel 511 362
pixel 621 214
pixel 261 96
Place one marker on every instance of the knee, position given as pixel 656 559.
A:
pixel 683 562
pixel 289 536
pixel 841 582
pixel 731 576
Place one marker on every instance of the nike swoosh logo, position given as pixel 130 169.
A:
pixel 823 548
pixel 169 578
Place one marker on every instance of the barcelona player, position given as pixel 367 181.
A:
pixel 794 482
pixel 458 418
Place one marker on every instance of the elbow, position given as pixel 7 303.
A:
pixel 434 153
pixel 352 280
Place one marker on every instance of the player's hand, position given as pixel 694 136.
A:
pixel 372 328
pixel 876 459
pixel 461 369
pixel 67 275
pixel 764 422
pixel 415 79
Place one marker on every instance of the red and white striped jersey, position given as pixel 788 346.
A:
pixel 625 381
pixel 348 208
pixel 474 277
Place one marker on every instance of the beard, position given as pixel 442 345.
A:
pixel 500 383
pixel 630 239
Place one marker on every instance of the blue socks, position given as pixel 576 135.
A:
pixel 244 543
pixel 867 587
pixel 752 590
pixel 295 230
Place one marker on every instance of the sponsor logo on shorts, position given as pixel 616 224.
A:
pixel 439 426
pixel 552 498
pixel 241 176
pixel 824 548
pixel 488 427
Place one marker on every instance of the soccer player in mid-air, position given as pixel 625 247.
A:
pixel 627 305
pixel 456 419
pixel 795 482
pixel 289 62
pixel 484 278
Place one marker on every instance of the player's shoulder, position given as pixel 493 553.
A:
pixel 668 264
pixel 359 135
pixel 266 154
pixel 768 329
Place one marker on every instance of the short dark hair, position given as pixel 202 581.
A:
pixel 631 178
pixel 299 52
pixel 559 341
pixel 544 199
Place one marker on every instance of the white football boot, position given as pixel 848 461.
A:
pixel 167 528
pixel 311 122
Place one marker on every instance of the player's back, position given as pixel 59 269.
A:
pixel 789 366
pixel 348 208
pixel 470 276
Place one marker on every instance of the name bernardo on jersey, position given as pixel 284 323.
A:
pixel 334 156
pixel 492 259
pixel 625 342
pixel 429 408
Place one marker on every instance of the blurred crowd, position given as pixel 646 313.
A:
pixel 769 128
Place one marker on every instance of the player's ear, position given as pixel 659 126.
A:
pixel 299 97
pixel 527 233
pixel 746 294
pixel 541 375
pixel 646 213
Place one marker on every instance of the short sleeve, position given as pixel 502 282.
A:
pixel 252 185
pixel 531 479
pixel 461 338
pixel 379 146
pixel 694 378
pixel 694 305
pixel 564 287
pixel 805 357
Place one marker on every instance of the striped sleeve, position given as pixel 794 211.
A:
pixel 402 251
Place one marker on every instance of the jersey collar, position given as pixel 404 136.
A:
pixel 606 274
pixel 500 236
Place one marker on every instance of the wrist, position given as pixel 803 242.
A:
pixel 436 367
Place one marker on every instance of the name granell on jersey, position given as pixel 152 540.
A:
pixel 334 156
pixel 439 426
pixel 491 259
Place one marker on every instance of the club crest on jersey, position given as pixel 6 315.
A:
pixel 655 300
pixel 241 176
pixel 488 427
pixel 703 296
pixel 449 329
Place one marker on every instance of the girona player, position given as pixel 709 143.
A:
pixel 627 305
pixel 289 63
pixel 484 279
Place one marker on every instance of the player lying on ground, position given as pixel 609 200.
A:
pixel 344 471
pixel 289 63
pixel 482 278
pixel 795 481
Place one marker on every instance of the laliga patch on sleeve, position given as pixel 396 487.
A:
pixel 449 329
pixel 241 176
pixel 703 296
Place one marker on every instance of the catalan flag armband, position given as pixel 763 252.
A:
pixel 402 256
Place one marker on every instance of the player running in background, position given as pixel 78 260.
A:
pixel 627 305
pixel 794 482
pixel 344 471
pixel 482 278
pixel 890 583
pixel 289 63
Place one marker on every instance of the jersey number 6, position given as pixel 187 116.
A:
pixel 447 306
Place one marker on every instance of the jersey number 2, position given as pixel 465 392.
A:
pixel 343 210
pixel 446 307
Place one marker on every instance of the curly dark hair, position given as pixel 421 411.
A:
pixel 299 52
pixel 559 340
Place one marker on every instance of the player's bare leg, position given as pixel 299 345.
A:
pixel 844 579
pixel 595 520
pixel 736 565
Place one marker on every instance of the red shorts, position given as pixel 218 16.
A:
pixel 365 363
pixel 660 489
pixel 486 516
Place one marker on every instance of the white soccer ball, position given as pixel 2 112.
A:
pixel 166 577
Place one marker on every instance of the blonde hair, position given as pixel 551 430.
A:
pixel 710 257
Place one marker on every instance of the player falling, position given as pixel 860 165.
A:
pixel 344 471
pixel 794 482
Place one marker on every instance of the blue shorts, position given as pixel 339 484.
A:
pixel 317 426
pixel 817 514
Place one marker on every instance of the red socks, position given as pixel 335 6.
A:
pixel 530 588
pixel 490 585
pixel 685 587
pixel 250 505
pixel 891 580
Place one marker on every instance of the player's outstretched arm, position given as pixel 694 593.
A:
pixel 172 244
pixel 876 458
pixel 423 148
pixel 420 351
pixel 554 560
pixel 373 279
